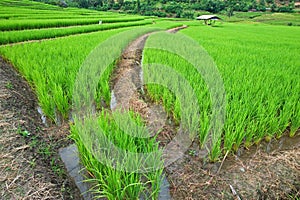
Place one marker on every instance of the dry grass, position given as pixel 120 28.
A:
pixel 24 173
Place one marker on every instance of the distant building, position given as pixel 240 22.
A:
pixel 208 19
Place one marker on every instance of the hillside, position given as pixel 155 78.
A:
pixel 179 8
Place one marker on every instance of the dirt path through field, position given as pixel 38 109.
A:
pixel 269 171
pixel 30 167
pixel 127 86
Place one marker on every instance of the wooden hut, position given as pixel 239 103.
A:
pixel 208 19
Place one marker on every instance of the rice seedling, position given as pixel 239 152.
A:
pixel 36 34
pixel 51 66
pixel 28 4
pixel 112 179
pixel 8 25
pixel 52 72
pixel 260 71
pixel 62 15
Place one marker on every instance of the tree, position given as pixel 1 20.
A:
pixel 111 4
pixel 214 6
pixel 229 11
pixel 138 5
pixel 292 5
pixel 128 5
pixel 262 2
pixel 274 7
pixel 121 2
pixel 96 3
pixel 83 3
pixel 188 14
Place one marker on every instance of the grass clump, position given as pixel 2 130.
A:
pixel 119 174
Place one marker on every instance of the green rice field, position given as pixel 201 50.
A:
pixel 259 64
pixel 261 82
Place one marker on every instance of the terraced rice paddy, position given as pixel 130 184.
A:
pixel 259 66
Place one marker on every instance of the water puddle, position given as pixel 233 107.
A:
pixel 71 119
pixel 43 117
pixel 77 172
pixel 58 118
pixel 113 100
pixel 284 143
pixel 141 76
pixel 164 193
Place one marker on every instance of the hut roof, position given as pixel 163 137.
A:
pixel 208 17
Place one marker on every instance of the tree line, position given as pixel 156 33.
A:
pixel 178 8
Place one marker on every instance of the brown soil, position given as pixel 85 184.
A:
pixel 126 84
pixel 30 167
pixel 175 30
pixel 255 174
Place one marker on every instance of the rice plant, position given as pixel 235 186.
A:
pixel 36 34
pixel 113 180
pixel 51 72
pixel 261 79
pixel 8 25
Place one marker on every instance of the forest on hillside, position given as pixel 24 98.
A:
pixel 179 8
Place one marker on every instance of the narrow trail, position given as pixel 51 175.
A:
pixel 127 82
